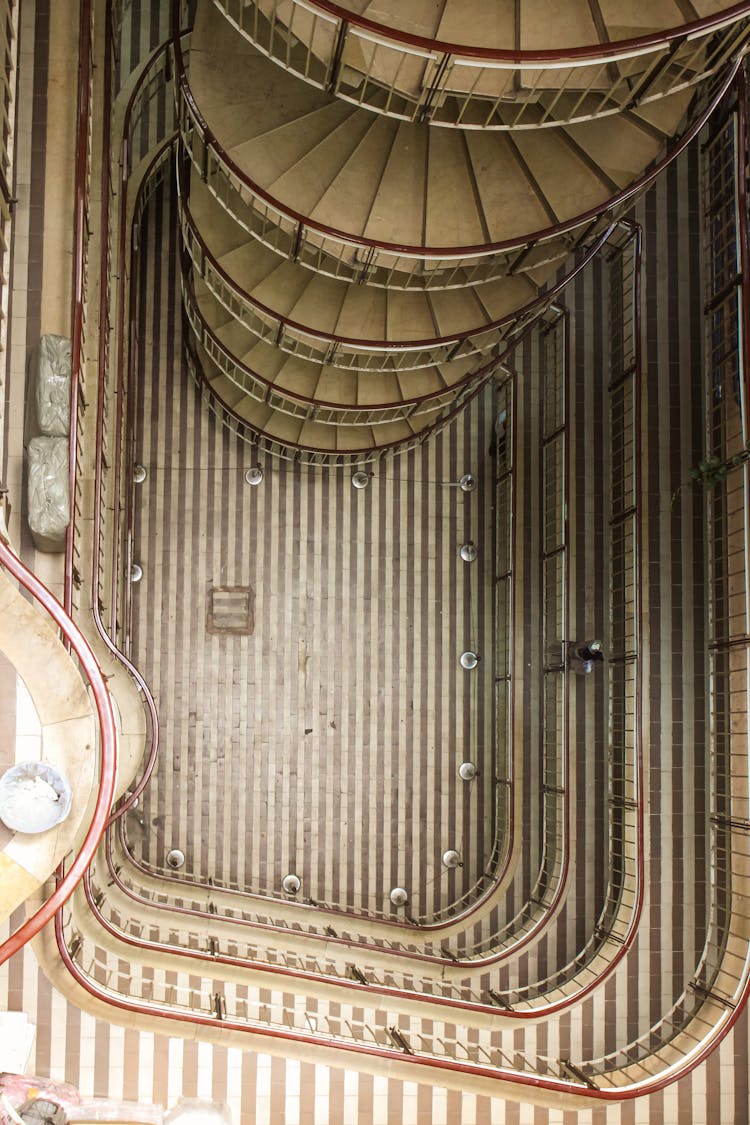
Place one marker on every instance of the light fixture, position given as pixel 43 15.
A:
pixel 468 660
pixel 467 771
pixel 139 474
pixel 254 476
pixel 451 859
pixel 468 552
pixel 291 884
pixel 467 483
pixel 175 859
pixel 399 896
pixel 136 572
pixel 360 479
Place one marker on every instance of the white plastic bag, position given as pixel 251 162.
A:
pixel 53 385
pixel 48 492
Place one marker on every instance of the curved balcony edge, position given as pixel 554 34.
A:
pixel 544 1077
pixel 108 743
pixel 417 78
pixel 351 353
pixel 338 254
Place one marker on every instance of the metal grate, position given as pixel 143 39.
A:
pixel 231 609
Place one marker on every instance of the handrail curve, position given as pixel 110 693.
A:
pixel 290 231
pixel 107 748
pixel 418 78
pixel 348 352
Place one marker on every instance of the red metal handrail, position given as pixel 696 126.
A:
pixel 371 346
pixel 108 749
pixel 475 249
pixel 80 236
pixel 596 53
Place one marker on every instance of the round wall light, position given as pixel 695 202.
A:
pixel 136 572
pixel 399 896
pixel 468 552
pixel 254 476
pixel 139 474
pixel 451 859
pixel 467 771
pixel 291 884
pixel 175 859
pixel 468 660
pixel 360 479
pixel 467 483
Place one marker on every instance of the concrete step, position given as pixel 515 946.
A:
pixel 415 185
pixel 336 308
pixel 398 213
pixel 625 20
pixel 313 381
pixel 314 170
pixel 273 152
pixel 360 180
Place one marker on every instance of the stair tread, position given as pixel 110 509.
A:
pixel 270 155
pixel 454 216
pixel 242 91
pixel 511 208
pixel 548 24
pixel 405 165
pixel 479 22
pixel 358 182
pixel 311 174
pixel 621 157
pixel 568 185
pixel 639 17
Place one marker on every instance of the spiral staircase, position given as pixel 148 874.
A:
pixel 351 270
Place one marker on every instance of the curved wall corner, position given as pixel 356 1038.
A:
pixel 69 741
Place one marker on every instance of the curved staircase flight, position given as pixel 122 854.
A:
pixel 351 266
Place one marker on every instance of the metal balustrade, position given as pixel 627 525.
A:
pixel 262 390
pixel 719 988
pixel 416 78
pixel 346 352
pixel 324 249
pixel 202 999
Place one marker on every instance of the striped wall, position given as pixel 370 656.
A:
pixel 143 26
pixel 332 736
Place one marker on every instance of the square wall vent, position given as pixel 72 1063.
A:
pixel 231 609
